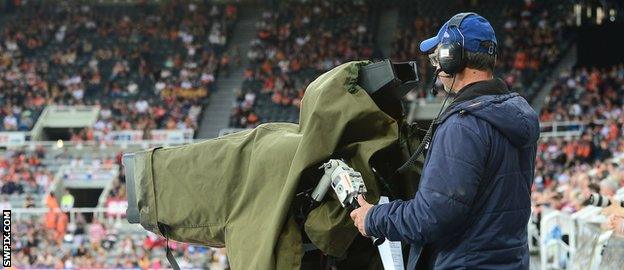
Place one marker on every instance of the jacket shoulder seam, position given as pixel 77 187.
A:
pixel 469 128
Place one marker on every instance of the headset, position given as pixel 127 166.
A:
pixel 451 60
pixel 451 51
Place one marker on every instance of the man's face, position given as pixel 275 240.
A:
pixel 445 78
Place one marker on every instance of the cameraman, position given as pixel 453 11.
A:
pixel 474 198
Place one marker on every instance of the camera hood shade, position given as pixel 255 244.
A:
pixel 238 190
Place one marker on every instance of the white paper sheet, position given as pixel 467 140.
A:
pixel 390 252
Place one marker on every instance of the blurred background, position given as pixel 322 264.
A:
pixel 82 82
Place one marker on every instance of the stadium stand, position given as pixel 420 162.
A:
pixel 522 62
pixel 296 42
pixel 586 94
pixel 103 245
pixel 271 85
pixel 153 66
pixel 586 155
pixel 147 66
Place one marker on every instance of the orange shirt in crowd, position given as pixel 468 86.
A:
pixel 50 220
pixel 594 81
pixel 277 97
pixel 51 202
pixel 286 100
pixel 90 135
pixel 230 11
pixel 61 226
pixel 252 118
pixel 583 150
pixel 570 149
pixel 520 61
pixel 51 217
pixel 295 65
pixel 546 117
pixel 613 132
pixel 266 67
pixel 269 84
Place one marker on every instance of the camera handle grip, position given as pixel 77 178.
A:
pixel 376 241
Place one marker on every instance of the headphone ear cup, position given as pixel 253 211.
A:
pixel 451 57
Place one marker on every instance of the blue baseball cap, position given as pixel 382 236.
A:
pixel 477 32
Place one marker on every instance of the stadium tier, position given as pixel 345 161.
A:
pixel 83 82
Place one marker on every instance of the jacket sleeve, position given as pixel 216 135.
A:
pixel 448 185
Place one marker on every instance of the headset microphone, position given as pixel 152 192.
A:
pixel 444 76
pixel 433 90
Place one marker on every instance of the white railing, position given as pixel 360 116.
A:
pixel 118 139
pixel 72 108
pixel 102 172
pixel 565 129
pixel 562 129
pixel 165 136
pixel 554 226
pixel 586 240
pixel 100 213
pixel 12 138
pixel 101 145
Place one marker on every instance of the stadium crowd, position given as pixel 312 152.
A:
pixel 569 169
pixel 103 245
pixel 530 41
pixel 588 95
pixel 150 67
pixel 146 66
pixel 297 41
pixel 22 171
pixel 288 52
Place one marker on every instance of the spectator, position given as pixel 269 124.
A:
pixel 608 188
pixel 53 211
pixel 96 233
pixel 291 50
pixel 4 203
pixel 69 57
pixel 67 201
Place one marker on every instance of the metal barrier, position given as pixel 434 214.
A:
pixel 588 235
pixel 533 234
pixel 100 213
pixel 116 139
pixel 613 256
pixel 587 246
pixel 566 129
pixel 562 129
pixel 554 227
pixel 100 145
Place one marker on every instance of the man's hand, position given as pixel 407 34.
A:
pixel 359 215
pixel 615 223
pixel 613 209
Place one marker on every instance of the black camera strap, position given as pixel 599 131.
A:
pixel 172 261
pixel 429 135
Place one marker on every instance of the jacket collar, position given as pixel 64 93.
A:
pixel 489 87
pixel 476 95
